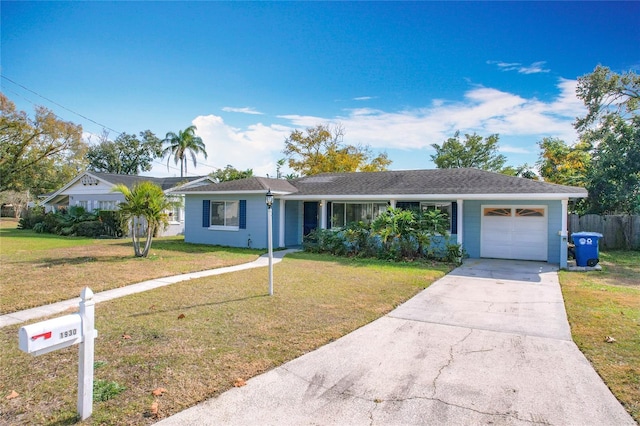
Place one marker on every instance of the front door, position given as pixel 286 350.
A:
pixel 310 217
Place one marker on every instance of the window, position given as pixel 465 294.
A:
pixel 497 211
pixel 342 214
pixel 107 205
pixel 444 207
pixel 530 212
pixel 224 214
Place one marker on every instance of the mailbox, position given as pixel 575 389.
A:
pixel 47 336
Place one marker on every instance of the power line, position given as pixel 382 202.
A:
pixel 61 106
pixel 89 119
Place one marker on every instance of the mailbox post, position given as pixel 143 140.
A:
pixel 57 333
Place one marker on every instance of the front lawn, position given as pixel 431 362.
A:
pixel 37 269
pixel 607 304
pixel 197 338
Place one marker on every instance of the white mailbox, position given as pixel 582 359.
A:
pixel 47 336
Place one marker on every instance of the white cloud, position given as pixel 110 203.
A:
pixel 255 147
pixel 364 98
pixel 519 121
pixel 244 110
pixel 534 68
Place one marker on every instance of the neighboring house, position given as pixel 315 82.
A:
pixel 94 191
pixel 491 215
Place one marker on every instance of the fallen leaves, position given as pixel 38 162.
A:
pixel 239 382
pixel 12 395
pixel 126 337
pixel 154 409
pixel 158 391
pixel 181 316
pixel 609 339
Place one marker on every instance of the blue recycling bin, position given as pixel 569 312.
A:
pixel 586 248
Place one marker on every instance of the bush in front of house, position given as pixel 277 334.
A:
pixel 75 221
pixel 396 235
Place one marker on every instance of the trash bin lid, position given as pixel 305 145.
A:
pixel 586 234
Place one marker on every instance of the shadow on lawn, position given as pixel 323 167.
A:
pixel 182 308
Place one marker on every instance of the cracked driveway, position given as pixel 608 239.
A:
pixel 487 344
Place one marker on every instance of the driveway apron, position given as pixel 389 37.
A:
pixel 487 344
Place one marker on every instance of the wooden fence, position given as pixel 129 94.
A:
pixel 618 231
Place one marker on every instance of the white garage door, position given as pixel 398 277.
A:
pixel 514 232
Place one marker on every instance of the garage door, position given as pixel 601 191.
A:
pixel 514 232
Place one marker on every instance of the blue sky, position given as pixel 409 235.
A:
pixel 397 76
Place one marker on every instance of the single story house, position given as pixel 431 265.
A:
pixel 94 191
pixel 491 215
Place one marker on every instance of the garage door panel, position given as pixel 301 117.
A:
pixel 514 232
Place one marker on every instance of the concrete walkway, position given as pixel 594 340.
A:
pixel 59 307
pixel 487 344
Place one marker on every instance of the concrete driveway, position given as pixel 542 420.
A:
pixel 487 344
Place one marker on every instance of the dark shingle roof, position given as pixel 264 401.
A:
pixel 405 182
pixel 436 181
pixel 130 180
pixel 244 185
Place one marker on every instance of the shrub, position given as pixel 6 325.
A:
pixel 31 217
pixel 115 224
pixel 90 228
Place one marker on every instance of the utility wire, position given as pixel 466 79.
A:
pixel 61 106
pixel 88 119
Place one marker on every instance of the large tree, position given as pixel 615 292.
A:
pixel 564 164
pixel 475 151
pixel 182 144
pixel 37 154
pixel 230 173
pixel 146 205
pixel 612 126
pixel 127 155
pixel 321 150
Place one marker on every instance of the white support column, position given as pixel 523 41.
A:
pixel 281 210
pixel 564 237
pixel 85 354
pixel 460 218
pixel 322 208
pixel 392 204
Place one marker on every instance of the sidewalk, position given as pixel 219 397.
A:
pixel 59 307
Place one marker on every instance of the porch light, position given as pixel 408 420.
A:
pixel 269 199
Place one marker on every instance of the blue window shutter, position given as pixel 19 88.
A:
pixel 454 218
pixel 329 218
pixel 206 213
pixel 243 214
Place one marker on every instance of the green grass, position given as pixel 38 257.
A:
pixel 607 304
pixel 196 338
pixel 38 269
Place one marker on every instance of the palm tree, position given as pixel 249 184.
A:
pixel 181 144
pixel 145 203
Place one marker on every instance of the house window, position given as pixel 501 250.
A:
pixel 175 212
pixel 444 207
pixel 343 214
pixel 84 204
pixel 224 215
pixel 107 205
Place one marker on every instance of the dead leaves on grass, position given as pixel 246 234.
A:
pixel 12 395
pixel 239 382
pixel 610 339
pixel 158 391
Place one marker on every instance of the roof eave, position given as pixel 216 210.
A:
pixel 512 196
